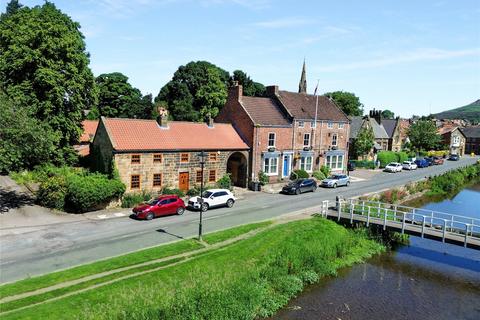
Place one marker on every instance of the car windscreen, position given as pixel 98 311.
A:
pixel 153 202
pixel 207 194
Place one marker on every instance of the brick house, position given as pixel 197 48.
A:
pixel 151 155
pixel 472 143
pixel 454 139
pixel 282 132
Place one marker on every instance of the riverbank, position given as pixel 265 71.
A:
pixel 249 278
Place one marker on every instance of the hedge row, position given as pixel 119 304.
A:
pixel 364 164
pixel 385 157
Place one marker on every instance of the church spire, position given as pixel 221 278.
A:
pixel 302 86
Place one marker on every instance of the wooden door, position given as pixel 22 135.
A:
pixel 183 181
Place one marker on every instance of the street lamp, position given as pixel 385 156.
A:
pixel 202 155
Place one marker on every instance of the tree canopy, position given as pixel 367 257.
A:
pixel 423 135
pixel 250 87
pixel 347 101
pixel 118 98
pixel 44 70
pixel 387 114
pixel 364 141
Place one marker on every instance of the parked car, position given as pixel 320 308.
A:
pixel 212 198
pixel 300 186
pixel 454 157
pixel 409 165
pixel 393 167
pixel 336 180
pixel 437 160
pixel 429 161
pixel 161 206
pixel 421 163
pixel 351 166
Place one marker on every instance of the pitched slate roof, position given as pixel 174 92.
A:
pixel 89 129
pixel 355 125
pixel 389 125
pixel 264 111
pixel 302 106
pixel 146 135
pixel 471 132
pixel 378 130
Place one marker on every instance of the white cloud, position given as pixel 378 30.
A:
pixel 283 23
pixel 327 32
pixel 423 54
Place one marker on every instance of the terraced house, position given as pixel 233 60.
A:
pixel 286 131
pixel 150 155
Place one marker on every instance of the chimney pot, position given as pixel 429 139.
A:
pixel 210 121
pixel 162 117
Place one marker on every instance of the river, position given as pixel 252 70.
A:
pixel 424 280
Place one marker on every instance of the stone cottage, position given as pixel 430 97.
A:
pixel 380 134
pixel 151 155
pixel 453 138
pixel 285 132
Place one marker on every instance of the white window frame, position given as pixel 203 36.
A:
pixel 274 139
pixel 334 139
pixel 268 165
pixel 301 124
pixel 341 125
pixel 305 164
pixel 330 125
pixel 334 162
pixel 313 124
pixel 304 135
pixel 456 139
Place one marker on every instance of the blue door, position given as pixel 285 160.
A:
pixel 286 165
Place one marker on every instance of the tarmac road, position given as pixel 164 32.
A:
pixel 59 246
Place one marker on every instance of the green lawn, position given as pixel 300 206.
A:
pixel 248 279
pixel 223 235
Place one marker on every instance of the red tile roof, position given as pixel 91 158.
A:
pixel 302 106
pixel 446 129
pixel 89 129
pixel 264 111
pixel 143 135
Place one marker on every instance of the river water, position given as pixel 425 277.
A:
pixel 424 280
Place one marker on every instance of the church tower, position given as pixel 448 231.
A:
pixel 302 86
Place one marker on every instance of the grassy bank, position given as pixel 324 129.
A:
pixel 249 278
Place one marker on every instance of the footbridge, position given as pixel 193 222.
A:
pixel 440 226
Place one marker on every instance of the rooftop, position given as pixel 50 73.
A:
pixel 264 111
pixel 89 129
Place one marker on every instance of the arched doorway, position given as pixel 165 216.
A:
pixel 237 166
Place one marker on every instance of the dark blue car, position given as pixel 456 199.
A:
pixel 422 163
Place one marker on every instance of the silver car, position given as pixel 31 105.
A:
pixel 336 180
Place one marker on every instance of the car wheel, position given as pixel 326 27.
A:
pixel 150 216
pixel 204 207
pixel 180 211
pixel 314 188
pixel 348 183
pixel 297 192
pixel 230 203
pixel 334 186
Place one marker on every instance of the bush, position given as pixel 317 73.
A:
pixel 52 192
pixel 130 200
pixel 326 170
pixel 195 191
pixel 175 191
pixel 299 174
pixel 89 191
pixel 318 175
pixel 364 164
pixel 262 178
pixel 385 157
pixel 401 156
pixel 225 182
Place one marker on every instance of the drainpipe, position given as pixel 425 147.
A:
pixel 320 146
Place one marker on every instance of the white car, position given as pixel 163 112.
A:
pixel 212 198
pixel 409 165
pixel 394 167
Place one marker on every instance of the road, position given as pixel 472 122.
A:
pixel 50 248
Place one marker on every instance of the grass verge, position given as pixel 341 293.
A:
pixel 223 235
pixel 248 279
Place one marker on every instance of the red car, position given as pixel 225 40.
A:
pixel 437 161
pixel 161 206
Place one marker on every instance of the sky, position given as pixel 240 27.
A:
pixel 409 56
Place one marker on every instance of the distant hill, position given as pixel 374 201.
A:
pixel 469 112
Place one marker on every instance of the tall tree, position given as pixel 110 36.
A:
pixel 118 98
pixel 347 101
pixel 387 114
pixel 196 89
pixel 423 135
pixel 12 7
pixel 250 87
pixel 364 142
pixel 44 70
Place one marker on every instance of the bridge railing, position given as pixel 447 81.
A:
pixel 424 218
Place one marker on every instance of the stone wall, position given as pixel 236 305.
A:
pixel 101 150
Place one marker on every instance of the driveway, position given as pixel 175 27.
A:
pixel 60 246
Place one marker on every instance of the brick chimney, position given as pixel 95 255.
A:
pixel 235 92
pixel 210 121
pixel 272 91
pixel 162 117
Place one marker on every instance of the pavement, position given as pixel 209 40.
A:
pixel 50 247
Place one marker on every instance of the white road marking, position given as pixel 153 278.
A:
pixel 119 214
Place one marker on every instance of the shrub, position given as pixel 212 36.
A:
pixel 262 178
pixel 364 164
pixel 225 182
pixel 175 191
pixel 52 192
pixel 318 175
pixel 195 191
pixel 385 157
pixel 89 191
pixel 401 156
pixel 130 200
pixel 326 170
pixel 299 174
